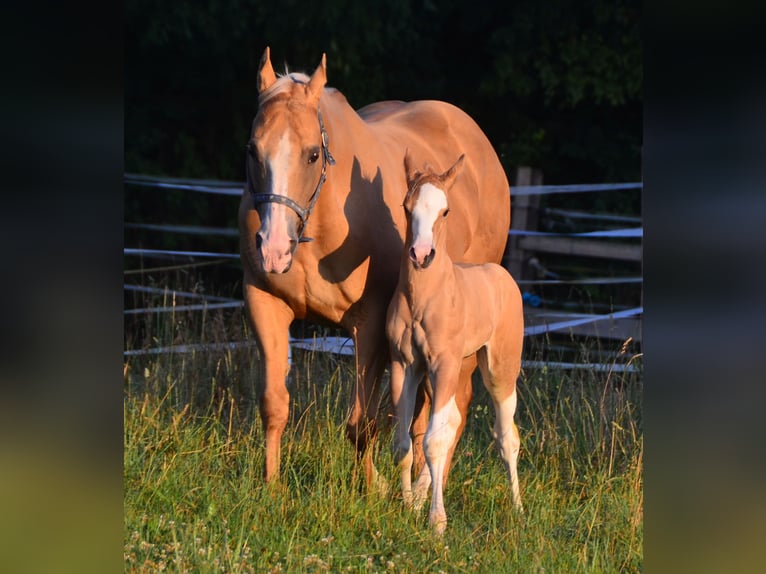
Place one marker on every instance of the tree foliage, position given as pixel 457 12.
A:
pixel 556 85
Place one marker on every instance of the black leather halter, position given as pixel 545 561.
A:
pixel 302 212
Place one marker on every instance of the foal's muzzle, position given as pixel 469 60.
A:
pixel 425 261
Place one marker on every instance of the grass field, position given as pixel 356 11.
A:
pixel 194 500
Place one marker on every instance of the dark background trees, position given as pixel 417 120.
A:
pixel 555 85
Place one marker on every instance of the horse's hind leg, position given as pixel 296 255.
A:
pixel 371 357
pixel 270 320
pixel 499 377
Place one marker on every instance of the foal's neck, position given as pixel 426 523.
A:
pixel 431 282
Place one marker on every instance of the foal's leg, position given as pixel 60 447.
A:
pixel 463 400
pixel 419 428
pixel 441 435
pixel 507 437
pixel 463 396
pixel 404 385
pixel 499 376
pixel 270 320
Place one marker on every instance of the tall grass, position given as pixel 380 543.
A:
pixel 195 502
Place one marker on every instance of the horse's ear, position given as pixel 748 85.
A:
pixel 318 79
pixel 448 177
pixel 266 75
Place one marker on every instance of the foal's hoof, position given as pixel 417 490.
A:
pixel 438 524
pixel 439 527
pixel 419 494
pixel 380 486
pixel 376 484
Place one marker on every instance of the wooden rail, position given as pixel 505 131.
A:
pixel 521 257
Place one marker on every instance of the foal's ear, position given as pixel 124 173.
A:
pixel 266 75
pixel 318 79
pixel 448 177
pixel 409 168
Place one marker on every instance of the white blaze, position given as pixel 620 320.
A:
pixel 273 226
pixel 279 165
pixel 430 202
pixel 275 246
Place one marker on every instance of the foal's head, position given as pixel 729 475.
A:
pixel 285 160
pixel 426 207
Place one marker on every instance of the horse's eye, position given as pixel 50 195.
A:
pixel 446 211
pixel 250 147
pixel 313 156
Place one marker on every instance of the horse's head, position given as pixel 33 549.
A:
pixel 287 156
pixel 426 207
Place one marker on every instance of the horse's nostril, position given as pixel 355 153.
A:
pixel 293 245
pixel 412 254
pixel 431 255
pixel 258 240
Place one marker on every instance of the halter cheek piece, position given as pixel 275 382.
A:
pixel 302 212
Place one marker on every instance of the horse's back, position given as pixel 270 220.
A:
pixel 437 133
pixel 379 110
pixel 424 118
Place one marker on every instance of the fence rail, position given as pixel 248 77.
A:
pixel 525 242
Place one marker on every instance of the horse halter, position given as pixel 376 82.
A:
pixel 302 212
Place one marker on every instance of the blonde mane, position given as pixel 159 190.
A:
pixel 283 84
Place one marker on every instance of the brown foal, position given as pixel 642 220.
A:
pixel 440 313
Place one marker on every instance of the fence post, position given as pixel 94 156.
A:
pixel 524 216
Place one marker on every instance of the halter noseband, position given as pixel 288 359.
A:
pixel 302 212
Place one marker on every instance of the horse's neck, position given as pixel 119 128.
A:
pixel 340 119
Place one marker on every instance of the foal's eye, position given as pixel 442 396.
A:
pixel 313 156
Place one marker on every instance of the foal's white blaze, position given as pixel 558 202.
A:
pixel 424 213
pixel 275 248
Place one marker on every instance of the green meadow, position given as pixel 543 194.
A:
pixel 194 500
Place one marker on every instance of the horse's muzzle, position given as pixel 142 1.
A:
pixel 276 257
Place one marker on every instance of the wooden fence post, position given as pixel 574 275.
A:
pixel 524 216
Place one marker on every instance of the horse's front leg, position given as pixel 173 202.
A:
pixel 270 320
pixel 371 357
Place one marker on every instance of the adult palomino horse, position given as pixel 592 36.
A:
pixel 440 313
pixel 321 227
